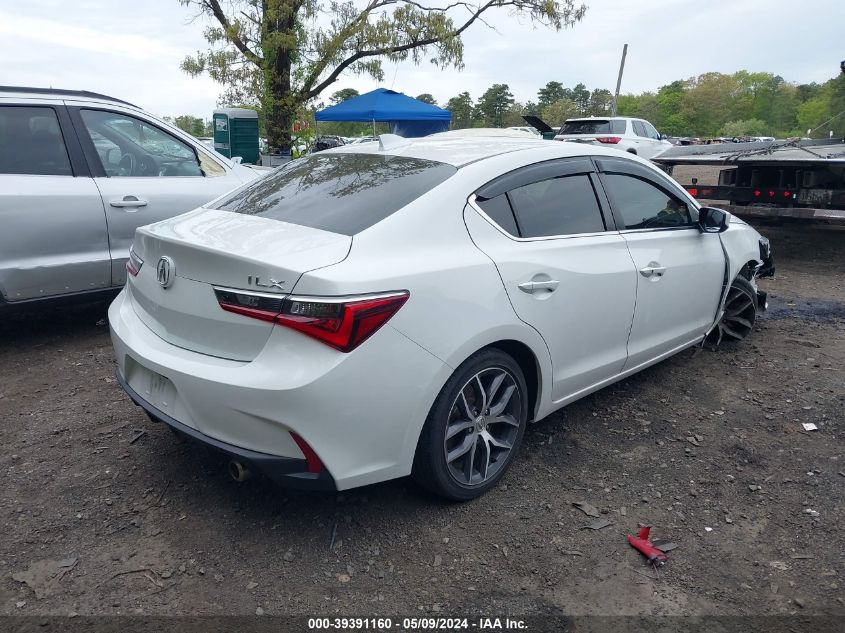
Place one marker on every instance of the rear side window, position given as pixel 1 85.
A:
pixel 31 142
pixel 499 210
pixel 341 193
pixel 639 128
pixel 593 126
pixel 557 206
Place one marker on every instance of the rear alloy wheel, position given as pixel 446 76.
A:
pixel 474 428
pixel 740 314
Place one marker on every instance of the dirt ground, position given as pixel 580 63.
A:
pixel 104 512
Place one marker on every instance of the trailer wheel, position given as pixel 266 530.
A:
pixel 740 314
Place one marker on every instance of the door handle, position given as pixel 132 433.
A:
pixel 653 271
pixel 128 202
pixel 533 286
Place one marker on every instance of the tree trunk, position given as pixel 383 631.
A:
pixel 278 42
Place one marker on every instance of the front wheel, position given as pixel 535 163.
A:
pixel 474 428
pixel 739 316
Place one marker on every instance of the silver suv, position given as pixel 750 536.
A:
pixel 79 172
pixel 635 136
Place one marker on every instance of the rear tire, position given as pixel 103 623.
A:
pixel 474 429
pixel 739 316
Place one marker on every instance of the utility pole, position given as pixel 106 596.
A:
pixel 619 80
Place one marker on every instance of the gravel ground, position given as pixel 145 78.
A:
pixel 104 512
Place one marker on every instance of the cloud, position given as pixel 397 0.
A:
pixel 55 34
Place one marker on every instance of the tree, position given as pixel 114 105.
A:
pixel 560 111
pixel 749 127
pixel 581 96
pixel 600 102
pixel 191 124
pixel 426 98
pixel 462 111
pixel 551 92
pixel 494 104
pixel 344 95
pixel 278 54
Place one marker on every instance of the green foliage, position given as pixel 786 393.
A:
pixel 748 127
pixel 494 104
pixel 193 125
pixel 279 55
pixel 562 109
pixel 426 98
pixel 344 95
pixel 463 111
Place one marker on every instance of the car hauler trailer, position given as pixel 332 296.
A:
pixel 795 179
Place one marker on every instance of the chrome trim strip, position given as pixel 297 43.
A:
pixel 472 203
pixel 252 293
pixel 348 298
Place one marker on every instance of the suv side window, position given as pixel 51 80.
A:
pixel 651 131
pixel 31 142
pixel 566 205
pixel 644 205
pixel 131 147
pixel 639 128
pixel 617 126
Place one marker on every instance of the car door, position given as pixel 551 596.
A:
pixel 53 238
pixel 681 270
pixel 144 174
pixel 567 272
pixel 656 145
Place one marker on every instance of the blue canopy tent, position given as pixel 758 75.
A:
pixel 407 117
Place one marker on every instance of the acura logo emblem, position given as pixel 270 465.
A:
pixel 165 271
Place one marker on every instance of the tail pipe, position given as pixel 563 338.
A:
pixel 238 471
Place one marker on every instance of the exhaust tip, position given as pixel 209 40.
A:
pixel 238 471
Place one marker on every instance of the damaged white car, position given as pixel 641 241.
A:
pixel 407 307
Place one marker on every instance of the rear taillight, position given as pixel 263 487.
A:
pixel 340 322
pixel 609 140
pixel 693 191
pixel 134 263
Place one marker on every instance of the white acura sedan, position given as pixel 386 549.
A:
pixel 407 307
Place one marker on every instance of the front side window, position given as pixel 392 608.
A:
pixel 644 205
pixel 31 142
pixel 131 147
pixel 557 206
pixel 341 193
pixel 651 131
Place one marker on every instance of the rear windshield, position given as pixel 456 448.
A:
pixel 593 127
pixel 341 193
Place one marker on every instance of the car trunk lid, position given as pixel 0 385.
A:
pixel 208 249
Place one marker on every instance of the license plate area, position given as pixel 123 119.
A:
pixel 158 390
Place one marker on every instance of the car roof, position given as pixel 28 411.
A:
pixel 463 150
pixel 53 93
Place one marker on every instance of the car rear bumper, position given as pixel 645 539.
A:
pixel 291 472
pixel 361 412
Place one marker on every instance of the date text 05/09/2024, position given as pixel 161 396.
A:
pixel 417 624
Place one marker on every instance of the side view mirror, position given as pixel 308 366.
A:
pixel 712 220
pixel 664 137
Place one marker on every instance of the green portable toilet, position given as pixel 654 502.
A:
pixel 236 133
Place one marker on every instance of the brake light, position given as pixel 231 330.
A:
pixel 771 194
pixel 609 140
pixel 134 263
pixel 756 193
pixel 692 191
pixel 786 194
pixel 342 323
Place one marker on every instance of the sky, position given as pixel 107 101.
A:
pixel 131 49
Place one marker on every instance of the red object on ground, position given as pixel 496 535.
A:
pixel 644 546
